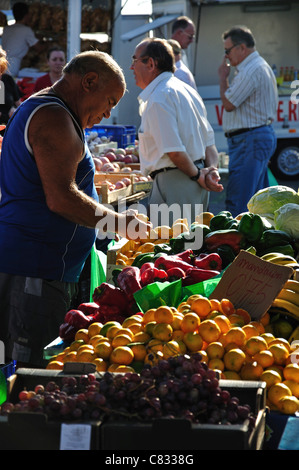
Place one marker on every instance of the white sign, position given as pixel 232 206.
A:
pixel 136 7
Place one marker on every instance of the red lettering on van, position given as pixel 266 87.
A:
pixel 292 111
pixel 219 114
pixel 280 113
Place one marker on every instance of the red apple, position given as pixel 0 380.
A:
pixel 127 181
pixel 104 159
pixel 128 159
pixel 120 184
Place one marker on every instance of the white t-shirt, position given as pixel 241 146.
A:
pixel 16 41
pixel 253 92
pixel 183 73
pixel 173 119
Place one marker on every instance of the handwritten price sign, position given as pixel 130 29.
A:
pixel 252 283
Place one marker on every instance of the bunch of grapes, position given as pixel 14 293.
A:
pixel 177 387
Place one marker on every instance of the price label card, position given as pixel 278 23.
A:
pixel 252 283
pixel 75 437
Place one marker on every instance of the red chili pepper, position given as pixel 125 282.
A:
pixel 195 275
pixel 153 275
pixel 166 262
pixel 77 319
pixel 107 294
pixel 129 280
pixel 175 273
pixel 210 261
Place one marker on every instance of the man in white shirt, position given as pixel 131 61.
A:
pixel 250 104
pixel 176 141
pixel 181 70
pixel 18 38
pixel 183 31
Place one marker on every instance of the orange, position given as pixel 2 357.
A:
pixel 85 347
pixel 112 331
pixel 226 307
pixel 202 306
pixel 236 320
pixel 70 357
pixel 76 344
pixel 278 391
pixel 149 327
pixel 121 340
pixel 94 329
pixel 215 305
pixel 177 335
pixel 288 405
pixel 278 369
pixel 56 365
pixel 216 363
pixel 209 331
pixel 163 314
pixel 177 320
pixel 183 347
pixel 123 368
pixel 126 331
pixel 171 348
pixel 182 306
pixel 280 353
pixel 215 350
pixel 231 375
pixel 236 335
pixel 282 341
pixel 271 377
pixel 135 327
pixel 193 341
pixel 82 334
pixel 86 356
pixel 265 319
pixel 190 322
pixel 259 326
pixel 234 359
pixel 103 349
pixel 244 314
pixel 268 337
pixel 204 356
pixel 264 358
pixel 153 358
pixel 130 320
pixel 162 331
pixel 112 367
pixel 255 344
pixel 250 330
pixel 107 325
pixel 149 315
pixel 154 345
pixel 122 355
pixel 291 372
pixel 293 386
pixel 139 351
pixel 95 339
pixel 141 337
pixel 223 323
pixel 193 297
pixel 101 365
pixel 251 371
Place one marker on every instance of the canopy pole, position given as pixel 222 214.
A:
pixel 73 28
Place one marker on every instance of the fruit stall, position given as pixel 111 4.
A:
pixel 193 329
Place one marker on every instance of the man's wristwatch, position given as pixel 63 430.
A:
pixel 195 178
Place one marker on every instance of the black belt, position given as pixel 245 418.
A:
pixel 154 173
pixel 241 131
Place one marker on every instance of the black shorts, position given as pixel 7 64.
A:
pixel 31 312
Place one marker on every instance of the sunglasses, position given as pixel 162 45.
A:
pixel 227 51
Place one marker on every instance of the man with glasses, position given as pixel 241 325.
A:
pixel 176 141
pixel 250 103
pixel 183 31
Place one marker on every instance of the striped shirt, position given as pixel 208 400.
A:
pixel 253 92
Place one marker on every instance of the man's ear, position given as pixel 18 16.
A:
pixel 90 81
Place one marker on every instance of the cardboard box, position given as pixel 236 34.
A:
pixel 180 434
pixel 34 431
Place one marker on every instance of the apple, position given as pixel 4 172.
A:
pixel 108 167
pixel 104 159
pixel 126 169
pixel 120 184
pixel 128 159
pixel 121 151
pixel 111 156
pixel 97 163
pixel 120 157
pixel 127 181
pixel 135 159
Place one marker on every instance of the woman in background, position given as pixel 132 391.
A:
pixel 56 62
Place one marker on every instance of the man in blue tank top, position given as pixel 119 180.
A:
pixel 49 209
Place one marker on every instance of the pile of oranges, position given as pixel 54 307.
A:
pixel 227 338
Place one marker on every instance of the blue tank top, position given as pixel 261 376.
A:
pixel 34 241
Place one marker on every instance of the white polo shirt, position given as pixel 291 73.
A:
pixel 16 41
pixel 253 92
pixel 173 119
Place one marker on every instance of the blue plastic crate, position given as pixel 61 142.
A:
pixel 8 369
pixel 123 135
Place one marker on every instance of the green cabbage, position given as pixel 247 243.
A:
pixel 286 218
pixel 266 201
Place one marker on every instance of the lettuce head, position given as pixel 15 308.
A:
pixel 266 201
pixel 286 218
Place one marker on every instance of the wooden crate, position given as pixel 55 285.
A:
pixel 107 196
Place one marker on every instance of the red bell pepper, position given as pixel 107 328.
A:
pixel 166 262
pixel 129 280
pixel 89 308
pixel 195 275
pixel 210 261
pixel 67 332
pixel 107 294
pixel 153 275
pixel 186 255
pixel 146 266
pixel 77 319
pixel 175 273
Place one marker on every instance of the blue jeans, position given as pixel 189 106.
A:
pixel 249 155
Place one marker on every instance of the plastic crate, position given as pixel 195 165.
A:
pixel 123 135
pixel 8 369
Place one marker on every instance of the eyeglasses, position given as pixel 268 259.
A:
pixel 190 36
pixel 227 51
pixel 142 58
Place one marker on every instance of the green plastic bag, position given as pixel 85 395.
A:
pixel 98 261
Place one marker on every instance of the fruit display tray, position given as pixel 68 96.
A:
pixel 180 434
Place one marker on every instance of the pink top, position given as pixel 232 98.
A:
pixel 42 82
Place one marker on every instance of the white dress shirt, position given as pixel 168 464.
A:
pixel 183 73
pixel 173 119
pixel 253 92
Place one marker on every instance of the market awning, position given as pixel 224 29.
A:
pixel 148 27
